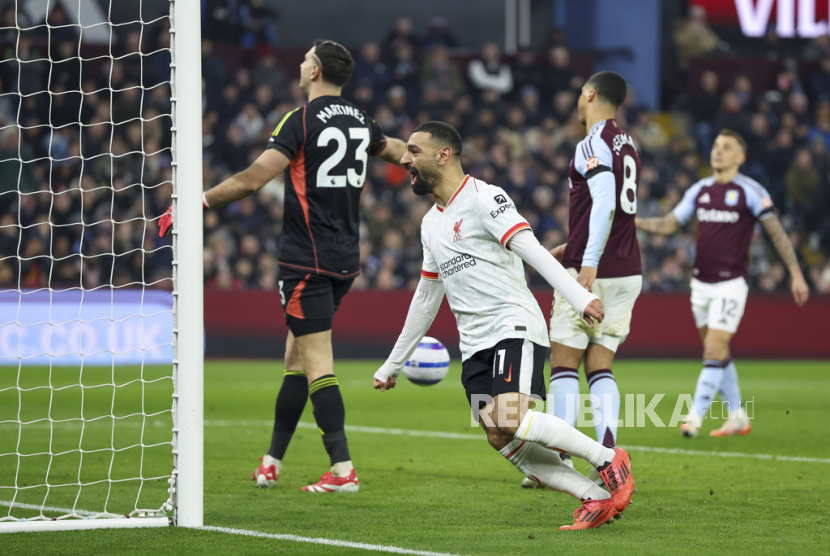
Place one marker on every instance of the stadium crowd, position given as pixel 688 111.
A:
pixel 517 118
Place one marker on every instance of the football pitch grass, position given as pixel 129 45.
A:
pixel 449 493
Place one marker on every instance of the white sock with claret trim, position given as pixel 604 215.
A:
pixel 547 468
pixel 708 384
pixel 730 392
pixel 552 432
pixel 603 385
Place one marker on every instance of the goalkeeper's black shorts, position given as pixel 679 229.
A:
pixel 309 300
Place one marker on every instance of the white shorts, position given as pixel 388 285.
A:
pixel 720 305
pixel 617 295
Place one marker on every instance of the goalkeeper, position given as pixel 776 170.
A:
pixel 323 148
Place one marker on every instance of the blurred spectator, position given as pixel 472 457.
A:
pixel 693 37
pixel 370 70
pixel 526 71
pixel 742 87
pixel 220 20
pixel 490 72
pixel 439 33
pixel 704 110
pixel 559 76
pixel 803 184
pixel 269 71
pixel 732 115
pixel 442 73
pixel 403 32
pixel 648 134
pixel 405 70
pixel 821 129
pixel 820 80
pixel 258 24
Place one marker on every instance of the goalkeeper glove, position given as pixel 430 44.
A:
pixel 166 220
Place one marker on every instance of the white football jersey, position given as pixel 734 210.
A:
pixel 464 246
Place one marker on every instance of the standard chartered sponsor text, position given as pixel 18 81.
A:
pixel 456 264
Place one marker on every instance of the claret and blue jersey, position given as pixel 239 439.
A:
pixel 726 215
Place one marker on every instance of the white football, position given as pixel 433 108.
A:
pixel 429 364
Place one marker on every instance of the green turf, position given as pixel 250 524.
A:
pixel 423 493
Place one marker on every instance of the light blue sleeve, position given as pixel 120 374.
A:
pixel 591 153
pixel 603 187
pixel 685 209
pixel 758 200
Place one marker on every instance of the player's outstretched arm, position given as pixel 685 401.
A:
pixel 422 311
pixel 773 227
pixel 665 225
pixel 394 151
pixel 247 182
pixel 528 248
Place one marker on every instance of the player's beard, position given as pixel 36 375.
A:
pixel 425 181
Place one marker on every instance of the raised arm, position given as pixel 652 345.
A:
pixel 664 225
pixel 270 164
pixel 782 244
pixel 395 148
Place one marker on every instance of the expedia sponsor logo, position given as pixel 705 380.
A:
pixel 456 264
pixel 499 211
pixel 718 216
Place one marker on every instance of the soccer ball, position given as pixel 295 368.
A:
pixel 429 364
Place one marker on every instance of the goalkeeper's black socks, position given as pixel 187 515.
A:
pixel 330 414
pixel 290 405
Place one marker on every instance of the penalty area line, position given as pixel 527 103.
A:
pixel 327 542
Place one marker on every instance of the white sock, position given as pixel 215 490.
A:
pixel 342 468
pixel 708 384
pixel 551 431
pixel 730 392
pixel 547 468
pixel 563 394
pixel 603 385
pixel 268 460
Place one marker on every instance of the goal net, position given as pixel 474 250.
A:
pixel 96 412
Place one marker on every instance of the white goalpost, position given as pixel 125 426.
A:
pixel 101 321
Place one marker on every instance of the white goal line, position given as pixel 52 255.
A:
pixel 328 542
pixel 248 533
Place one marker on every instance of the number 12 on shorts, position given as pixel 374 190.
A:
pixel 728 307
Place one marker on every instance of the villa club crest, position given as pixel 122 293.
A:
pixel 457 229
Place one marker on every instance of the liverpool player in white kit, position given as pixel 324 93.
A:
pixel 602 253
pixel 474 241
pixel 727 206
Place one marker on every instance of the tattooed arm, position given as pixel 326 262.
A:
pixel 785 249
pixel 665 225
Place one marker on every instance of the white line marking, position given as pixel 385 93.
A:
pixel 259 534
pixel 329 542
pixel 681 452
pixel 429 434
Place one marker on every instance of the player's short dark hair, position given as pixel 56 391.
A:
pixel 336 62
pixel 442 133
pixel 735 135
pixel 610 86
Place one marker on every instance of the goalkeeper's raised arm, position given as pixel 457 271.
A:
pixel 269 165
